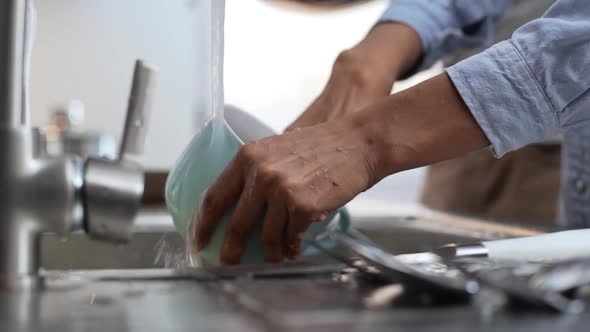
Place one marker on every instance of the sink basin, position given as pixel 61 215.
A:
pixel 121 284
pixel 426 230
pixel 154 244
pixel 155 249
pixel 158 245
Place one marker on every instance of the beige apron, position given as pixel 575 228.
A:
pixel 523 186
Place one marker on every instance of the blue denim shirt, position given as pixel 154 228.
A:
pixel 523 90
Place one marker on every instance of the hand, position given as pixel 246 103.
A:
pixel 364 74
pixel 300 177
pixel 351 87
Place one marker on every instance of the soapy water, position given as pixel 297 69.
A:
pixel 169 256
pixel 191 257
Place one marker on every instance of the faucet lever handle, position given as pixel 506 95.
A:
pixel 113 189
pixel 138 111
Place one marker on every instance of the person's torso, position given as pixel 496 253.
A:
pixel 574 205
pixel 574 210
pixel 519 13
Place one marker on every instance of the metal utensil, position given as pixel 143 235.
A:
pixel 551 247
pixel 513 280
pixel 563 276
pixel 460 273
pixel 437 280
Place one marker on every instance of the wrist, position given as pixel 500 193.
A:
pixel 420 126
pixel 398 45
pixel 391 49
pixel 363 77
pixel 370 131
pixel 388 51
pixel 369 70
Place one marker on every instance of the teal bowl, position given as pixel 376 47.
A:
pixel 209 152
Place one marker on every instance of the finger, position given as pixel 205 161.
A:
pixel 241 225
pixel 220 196
pixel 273 232
pixel 298 224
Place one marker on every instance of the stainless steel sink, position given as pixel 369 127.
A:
pixel 130 295
pixel 78 252
pixel 160 245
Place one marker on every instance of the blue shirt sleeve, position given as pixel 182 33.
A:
pixel 535 85
pixel 447 25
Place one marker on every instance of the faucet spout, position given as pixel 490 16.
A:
pixel 12 62
pixel 41 194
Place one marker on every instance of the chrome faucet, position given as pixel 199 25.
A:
pixel 59 195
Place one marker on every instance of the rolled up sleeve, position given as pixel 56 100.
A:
pixel 534 85
pixel 446 25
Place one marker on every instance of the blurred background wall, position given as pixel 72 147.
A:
pixel 277 58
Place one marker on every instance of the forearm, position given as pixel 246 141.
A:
pixel 420 126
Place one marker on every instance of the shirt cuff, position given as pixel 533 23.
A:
pixel 420 17
pixel 505 98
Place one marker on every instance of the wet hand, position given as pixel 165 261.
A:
pixel 299 177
